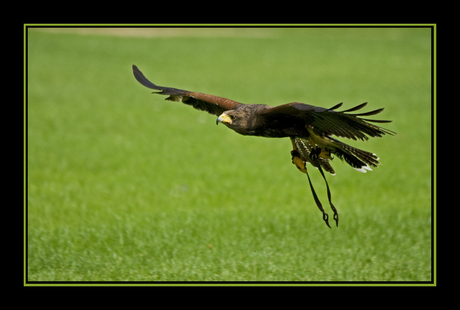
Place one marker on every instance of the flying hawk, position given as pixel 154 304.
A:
pixel 310 129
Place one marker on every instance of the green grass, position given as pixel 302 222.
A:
pixel 124 186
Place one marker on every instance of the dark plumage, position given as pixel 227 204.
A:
pixel 310 128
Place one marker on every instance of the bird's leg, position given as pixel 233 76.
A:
pixel 296 160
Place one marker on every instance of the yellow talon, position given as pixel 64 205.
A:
pixel 299 163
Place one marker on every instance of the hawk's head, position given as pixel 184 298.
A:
pixel 244 119
pixel 236 120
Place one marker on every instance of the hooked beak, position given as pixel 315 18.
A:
pixel 224 118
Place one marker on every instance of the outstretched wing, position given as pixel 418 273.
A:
pixel 326 122
pixel 204 102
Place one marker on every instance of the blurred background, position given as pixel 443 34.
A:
pixel 124 186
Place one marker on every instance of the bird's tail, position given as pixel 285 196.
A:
pixel 358 159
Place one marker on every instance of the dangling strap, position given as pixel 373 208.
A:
pixel 336 215
pixel 318 203
pixel 301 165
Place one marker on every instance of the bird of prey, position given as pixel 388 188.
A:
pixel 310 129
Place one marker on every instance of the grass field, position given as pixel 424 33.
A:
pixel 124 186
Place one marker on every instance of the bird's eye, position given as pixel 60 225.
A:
pixel 233 117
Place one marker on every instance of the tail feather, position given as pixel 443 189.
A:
pixel 356 158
